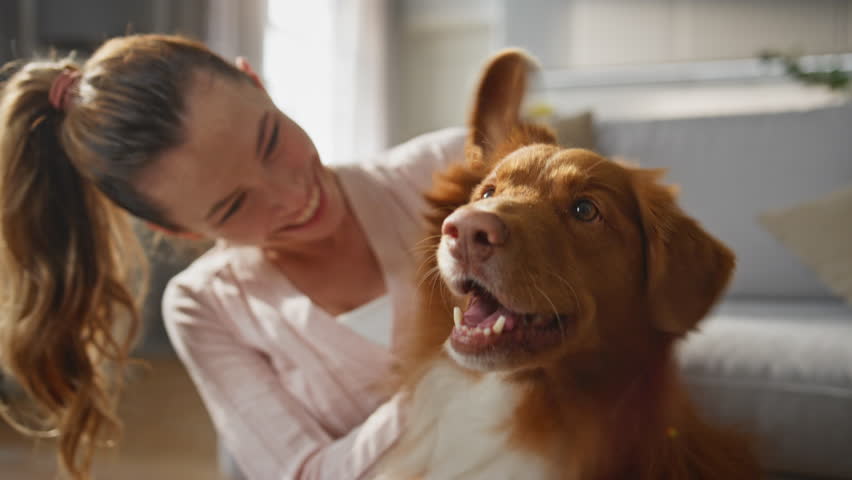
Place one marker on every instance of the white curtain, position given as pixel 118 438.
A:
pixel 325 65
pixel 361 63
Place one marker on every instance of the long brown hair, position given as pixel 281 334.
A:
pixel 68 313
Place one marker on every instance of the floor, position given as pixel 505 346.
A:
pixel 168 435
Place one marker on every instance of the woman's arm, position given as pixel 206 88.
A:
pixel 264 425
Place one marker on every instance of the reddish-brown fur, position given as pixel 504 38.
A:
pixel 607 402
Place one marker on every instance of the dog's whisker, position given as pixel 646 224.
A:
pixel 427 251
pixel 424 265
pixel 428 276
pixel 570 287
pixel 552 306
pixel 427 242
pixel 446 296
pixel 433 276
pixel 577 305
pixel 527 287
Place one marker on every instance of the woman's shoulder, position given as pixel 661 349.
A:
pixel 217 263
pixel 206 292
pixel 437 148
pixel 409 166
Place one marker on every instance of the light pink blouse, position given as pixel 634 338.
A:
pixel 291 390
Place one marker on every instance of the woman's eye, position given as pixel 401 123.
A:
pixel 235 206
pixel 585 210
pixel 488 192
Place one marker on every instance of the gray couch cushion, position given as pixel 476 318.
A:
pixel 783 371
pixel 734 167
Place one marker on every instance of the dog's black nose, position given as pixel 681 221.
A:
pixel 474 233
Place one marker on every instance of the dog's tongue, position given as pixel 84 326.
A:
pixel 483 310
pixel 480 308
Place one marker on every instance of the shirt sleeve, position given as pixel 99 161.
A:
pixel 419 159
pixel 264 425
pixel 408 169
pixel 416 163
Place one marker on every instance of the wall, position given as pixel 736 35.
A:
pixel 33 27
pixel 439 46
pixel 8 29
pixel 594 33
pixel 620 58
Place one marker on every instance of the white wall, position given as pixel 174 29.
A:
pixel 439 47
pixel 593 33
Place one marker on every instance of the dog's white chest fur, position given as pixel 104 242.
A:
pixel 458 427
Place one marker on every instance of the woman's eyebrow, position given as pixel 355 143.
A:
pixel 260 132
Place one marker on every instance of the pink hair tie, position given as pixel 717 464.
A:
pixel 62 87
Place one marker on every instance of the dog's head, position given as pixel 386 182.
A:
pixel 560 251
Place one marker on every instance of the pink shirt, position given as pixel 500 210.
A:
pixel 291 390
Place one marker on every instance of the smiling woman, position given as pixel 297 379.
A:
pixel 261 184
pixel 267 322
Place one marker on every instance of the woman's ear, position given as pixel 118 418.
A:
pixel 244 66
pixel 174 233
pixel 686 269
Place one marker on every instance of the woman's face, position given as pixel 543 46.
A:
pixel 245 172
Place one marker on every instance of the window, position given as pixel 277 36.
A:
pixel 298 66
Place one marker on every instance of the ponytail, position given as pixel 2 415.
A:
pixel 69 160
pixel 68 318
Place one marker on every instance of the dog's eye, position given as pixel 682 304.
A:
pixel 585 210
pixel 488 192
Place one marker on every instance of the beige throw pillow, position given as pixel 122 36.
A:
pixel 576 131
pixel 819 232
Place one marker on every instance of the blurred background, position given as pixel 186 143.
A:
pixel 746 102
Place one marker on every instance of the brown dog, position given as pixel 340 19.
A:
pixel 569 278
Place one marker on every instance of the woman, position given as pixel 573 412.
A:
pixel 279 324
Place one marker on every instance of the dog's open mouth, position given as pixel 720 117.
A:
pixel 486 324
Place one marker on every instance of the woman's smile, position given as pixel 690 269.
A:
pixel 309 213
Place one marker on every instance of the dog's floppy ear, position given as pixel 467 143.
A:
pixel 497 104
pixel 686 269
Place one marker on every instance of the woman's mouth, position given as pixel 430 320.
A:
pixel 310 212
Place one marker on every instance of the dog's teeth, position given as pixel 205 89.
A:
pixel 486 331
pixel 499 324
pixel 457 316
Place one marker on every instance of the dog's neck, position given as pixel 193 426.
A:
pixel 603 403
pixel 601 375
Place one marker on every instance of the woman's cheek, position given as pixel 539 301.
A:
pixel 250 236
pixel 246 226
